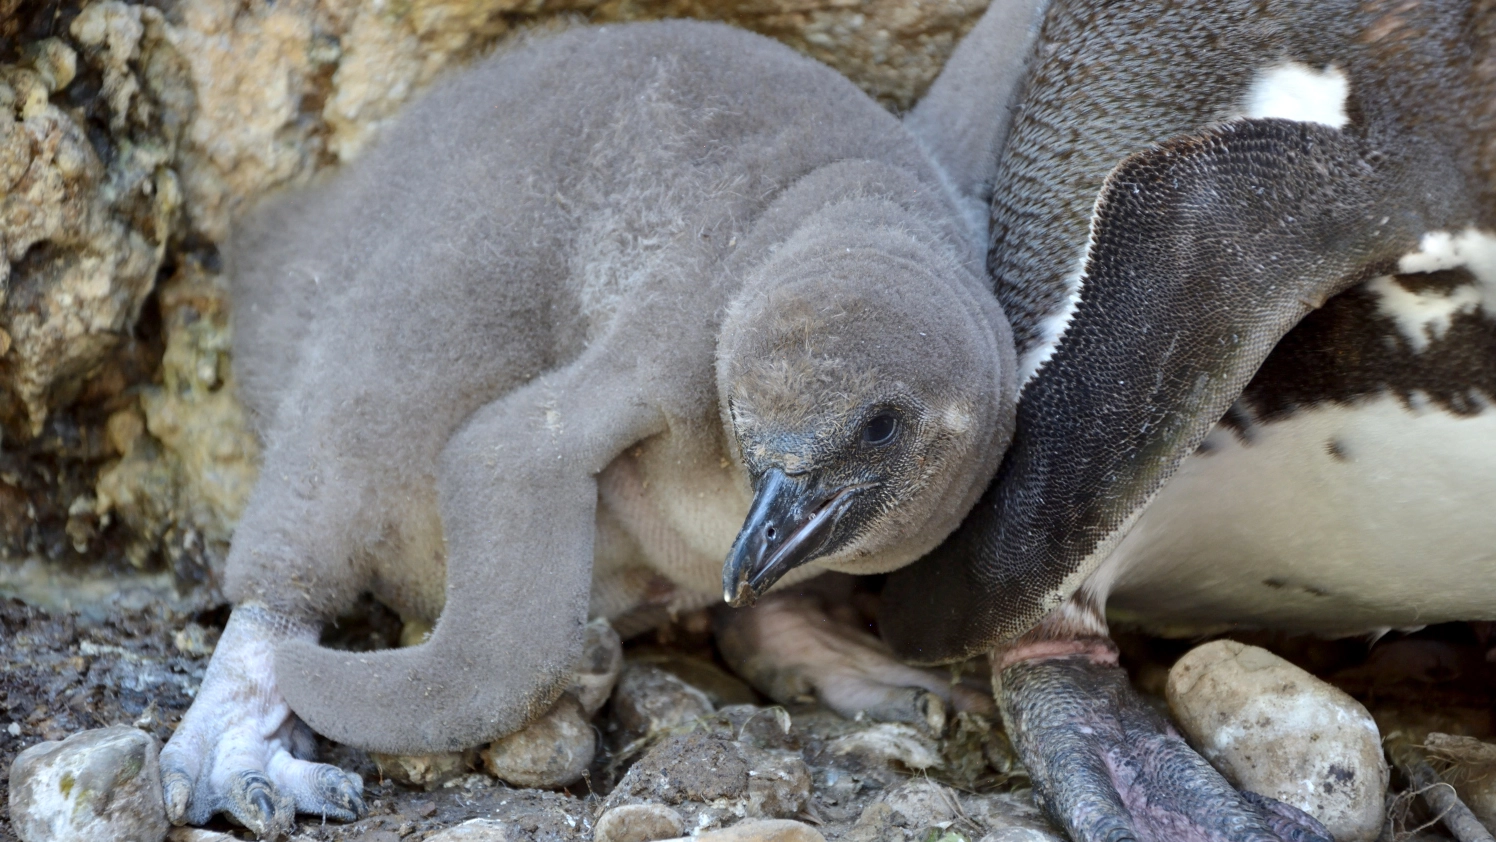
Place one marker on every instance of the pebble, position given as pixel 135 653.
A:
pixel 101 784
pixel 888 743
pixel 552 751
pixel 1276 730
pixel 690 767
pixel 701 768
pixel 778 782
pixel 597 670
pixel 769 830
pixel 474 830
pixel 638 823
pixel 427 771
pixel 649 699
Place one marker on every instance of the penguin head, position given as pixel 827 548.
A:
pixel 867 384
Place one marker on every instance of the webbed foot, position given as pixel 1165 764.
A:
pixel 793 648
pixel 1108 768
pixel 240 751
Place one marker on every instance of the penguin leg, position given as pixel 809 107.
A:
pixel 240 750
pixel 802 645
pixel 1106 766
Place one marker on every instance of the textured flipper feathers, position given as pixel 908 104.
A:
pixel 1204 252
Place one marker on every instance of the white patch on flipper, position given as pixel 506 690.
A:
pixel 1052 327
pixel 1339 519
pixel 1292 90
pixel 1422 317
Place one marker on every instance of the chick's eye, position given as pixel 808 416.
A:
pixel 881 429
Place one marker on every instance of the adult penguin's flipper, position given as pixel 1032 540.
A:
pixel 1203 253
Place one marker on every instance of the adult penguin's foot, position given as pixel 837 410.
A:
pixel 1107 767
pixel 806 645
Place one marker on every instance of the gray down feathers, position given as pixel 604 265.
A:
pixel 583 244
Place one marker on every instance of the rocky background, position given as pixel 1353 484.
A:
pixel 130 134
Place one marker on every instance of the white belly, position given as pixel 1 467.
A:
pixel 1338 519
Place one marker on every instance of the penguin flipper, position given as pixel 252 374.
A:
pixel 1203 253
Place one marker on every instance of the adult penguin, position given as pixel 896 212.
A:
pixel 1248 250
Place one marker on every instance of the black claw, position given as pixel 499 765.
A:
pixel 254 801
pixel 341 791
pixel 263 805
pixel 1286 821
pixel 1082 731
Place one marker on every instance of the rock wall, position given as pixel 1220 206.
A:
pixel 130 133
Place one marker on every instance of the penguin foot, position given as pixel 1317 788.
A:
pixel 1107 767
pixel 793 648
pixel 240 751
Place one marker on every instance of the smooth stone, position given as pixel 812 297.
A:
pixel 100 784
pixel 890 743
pixel 638 823
pixel 1276 730
pixel 762 830
pixel 598 669
pixel 197 834
pixel 923 803
pixel 474 830
pixel 427 771
pixel 649 699
pixel 552 751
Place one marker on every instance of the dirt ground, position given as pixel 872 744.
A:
pixel 88 649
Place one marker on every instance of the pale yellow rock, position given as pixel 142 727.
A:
pixel 769 830
pixel 427 771
pixel 474 830
pixel 1276 730
pixel 552 751
pixel 638 823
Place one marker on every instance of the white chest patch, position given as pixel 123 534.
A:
pixel 1339 519
pixel 1292 90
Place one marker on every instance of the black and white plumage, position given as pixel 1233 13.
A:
pixel 1249 255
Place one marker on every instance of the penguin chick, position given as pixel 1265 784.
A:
pixel 593 317
pixel 1233 413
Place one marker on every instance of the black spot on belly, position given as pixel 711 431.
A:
pixel 1336 449
pixel 1278 584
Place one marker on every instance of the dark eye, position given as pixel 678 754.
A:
pixel 881 429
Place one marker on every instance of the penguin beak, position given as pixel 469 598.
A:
pixel 787 526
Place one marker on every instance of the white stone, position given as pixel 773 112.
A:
pixel 1276 730
pixel 474 830
pixel 772 830
pixel 638 823
pixel 101 784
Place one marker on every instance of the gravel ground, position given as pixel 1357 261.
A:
pixel 80 652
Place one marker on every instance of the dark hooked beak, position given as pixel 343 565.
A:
pixel 787 526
